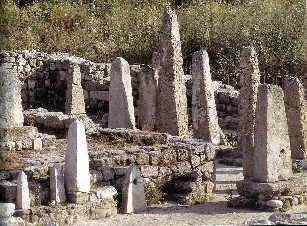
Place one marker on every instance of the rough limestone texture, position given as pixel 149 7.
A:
pixel 249 82
pixel 77 175
pixel 74 94
pixel 171 95
pixel 296 109
pixel 121 110
pixel 204 114
pixel 272 156
pixel 296 185
pixel 155 61
pixel 10 99
pixel 7 209
pixel 23 195
pixel 148 97
pixel 133 199
pixel 57 188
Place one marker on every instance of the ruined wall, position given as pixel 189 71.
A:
pixel 44 81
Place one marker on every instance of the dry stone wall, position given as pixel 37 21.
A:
pixel 44 82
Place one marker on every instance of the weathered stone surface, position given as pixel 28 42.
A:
pixel 18 133
pixel 107 192
pixel 12 221
pixel 8 191
pixel 23 195
pixel 148 84
pixel 10 99
pixel 249 82
pixel 296 109
pixel 70 214
pixel 7 209
pixel 57 188
pixel 274 203
pixel 288 218
pixel 296 185
pixel 272 156
pixel 74 94
pixel 77 176
pixel 171 96
pixel 204 114
pixel 121 110
pixel 133 199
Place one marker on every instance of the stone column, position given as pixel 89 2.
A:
pixel 204 114
pixel 272 156
pixel 74 94
pixel 77 175
pixel 10 99
pixel 296 109
pixel 121 110
pixel 57 188
pixel 249 82
pixel 148 84
pixel 23 195
pixel 171 96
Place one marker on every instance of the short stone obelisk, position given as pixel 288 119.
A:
pixel 23 194
pixel 272 156
pixel 57 187
pixel 77 175
pixel 204 114
pixel 296 109
pixel 171 95
pixel 249 82
pixel 74 94
pixel 121 110
pixel 133 199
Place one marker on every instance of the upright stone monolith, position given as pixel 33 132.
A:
pixel 204 114
pixel 171 96
pixel 296 109
pixel 57 188
pixel 77 175
pixel 23 195
pixel 272 156
pixel 249 82
pixel 121 110
pixel 74 94
pixel 11 114
pixel 148 84
pixel 133 195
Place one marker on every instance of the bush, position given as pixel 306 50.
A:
pixel 100 30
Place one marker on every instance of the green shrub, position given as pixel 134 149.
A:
pixel 154 193
pixel 103 29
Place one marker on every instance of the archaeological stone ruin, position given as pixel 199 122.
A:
pixel 84 141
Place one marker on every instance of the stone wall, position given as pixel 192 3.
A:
pixel 44 81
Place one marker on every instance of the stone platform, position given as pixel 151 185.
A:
pixel 296 185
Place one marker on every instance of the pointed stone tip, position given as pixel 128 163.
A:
pixel 119 60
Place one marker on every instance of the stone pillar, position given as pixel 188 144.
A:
pixel 155 61
pixel 133 199
pixel 74 94
pixel 148 84
pixel 77 175
pixel 272 156
pixel 57 188
pixel 23 195
pixel 10 99
pixel 296 109
pixel 249 82
pixel 121 110
pixel 171 95
pixel 204 114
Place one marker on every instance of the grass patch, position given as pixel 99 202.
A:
pixel 154 193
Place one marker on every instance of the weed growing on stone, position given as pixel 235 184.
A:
pixel 154 193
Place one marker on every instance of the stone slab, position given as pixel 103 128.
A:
pixel 7 209
pixel 296 185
